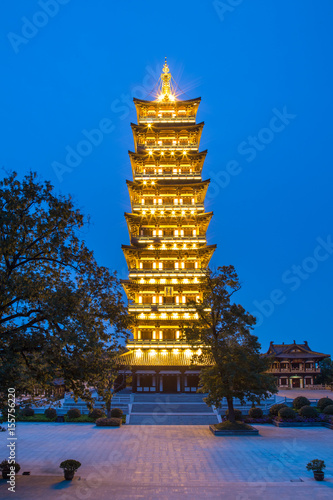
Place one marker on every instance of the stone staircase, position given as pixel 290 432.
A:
pixel 170 409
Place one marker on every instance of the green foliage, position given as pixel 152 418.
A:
pixel 326 372
pixel 61 315
pixel 287 413
pixel 96 413
pixel 255 412
pixel 300 401
pixel 232 426
pixel 117 412
pixel 34 418
pixel 328 410
pixel 5 466
pixel 73 413
pixel 82 419
pixel 237 414
pixel 223 333
pixel 323 402
pixel 316 465
pixel 70 465
pixel 274 410
pixel 50 413
pixel 109 422
pixel 27 412
pixel 308 411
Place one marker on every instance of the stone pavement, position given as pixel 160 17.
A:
pixel 169 463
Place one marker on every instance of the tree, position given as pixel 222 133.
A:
pixel 60 313
pixel 222 332
pixel 326 373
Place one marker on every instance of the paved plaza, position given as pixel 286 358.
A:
pixel 169 462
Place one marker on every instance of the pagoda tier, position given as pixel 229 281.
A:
pixel 166 137
pixel 168 253
pixel 166 111
pixel 167 165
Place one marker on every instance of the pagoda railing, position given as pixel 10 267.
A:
pixel 166 119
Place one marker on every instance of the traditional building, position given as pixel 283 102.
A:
pixel 295 365
pixel 168 251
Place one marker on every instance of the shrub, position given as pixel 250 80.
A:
pixel 255 413
pixel 27 412
pixel 299 402
pixel 74 413
pixel 287 412
pixel 308 411
pixel 323 402
pixel 50 413
pixel 117 412
pixel 238 414
pixel 316 465
pixel 71 465
pixel 5 466
pixel 328 410
pixel 96 413
pixel 274 410
pixel 109 422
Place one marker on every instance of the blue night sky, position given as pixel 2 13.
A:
pixel 264 72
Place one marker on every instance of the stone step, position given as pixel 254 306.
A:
pixel 168 398
pixel 171 408
pixel 163 419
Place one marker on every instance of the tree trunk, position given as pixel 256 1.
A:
pixel 108 408
pixel 231 415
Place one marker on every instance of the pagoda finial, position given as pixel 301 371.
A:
pixel 166 82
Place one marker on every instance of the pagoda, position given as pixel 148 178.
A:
pixel 168 251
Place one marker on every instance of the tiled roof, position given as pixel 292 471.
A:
pixel 294 351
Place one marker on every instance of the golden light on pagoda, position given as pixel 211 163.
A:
pixel 168 250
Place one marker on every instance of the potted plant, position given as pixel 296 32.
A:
pixel 317 466
pixel 5 468
pixel 70 467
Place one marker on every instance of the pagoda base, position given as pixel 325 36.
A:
pixel 167 381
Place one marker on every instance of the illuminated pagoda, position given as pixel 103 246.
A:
pixel 168 251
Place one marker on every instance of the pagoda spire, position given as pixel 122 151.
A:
pixel 166 93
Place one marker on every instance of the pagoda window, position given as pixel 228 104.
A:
pixel 177 335
pixel 182 264
pixel 146 335
pixel 176 232
pixel 160 201
pixel 177 299
pixel 139 334
pixel 196 265
pixel 193 200
pixel 160 299
pixel 184 299
pixel 154 299
pixel 141 265
pixel 160 265
pixel 169 335
pixel 176 265
pixel 175 201
pixel 142 201
pixel 154 335
pixel 140 299
pixel 160 334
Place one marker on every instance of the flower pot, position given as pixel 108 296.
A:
pixel 319 475
pixel 5 474
pixel 69 474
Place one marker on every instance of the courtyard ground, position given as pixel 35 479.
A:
pixel 169 463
